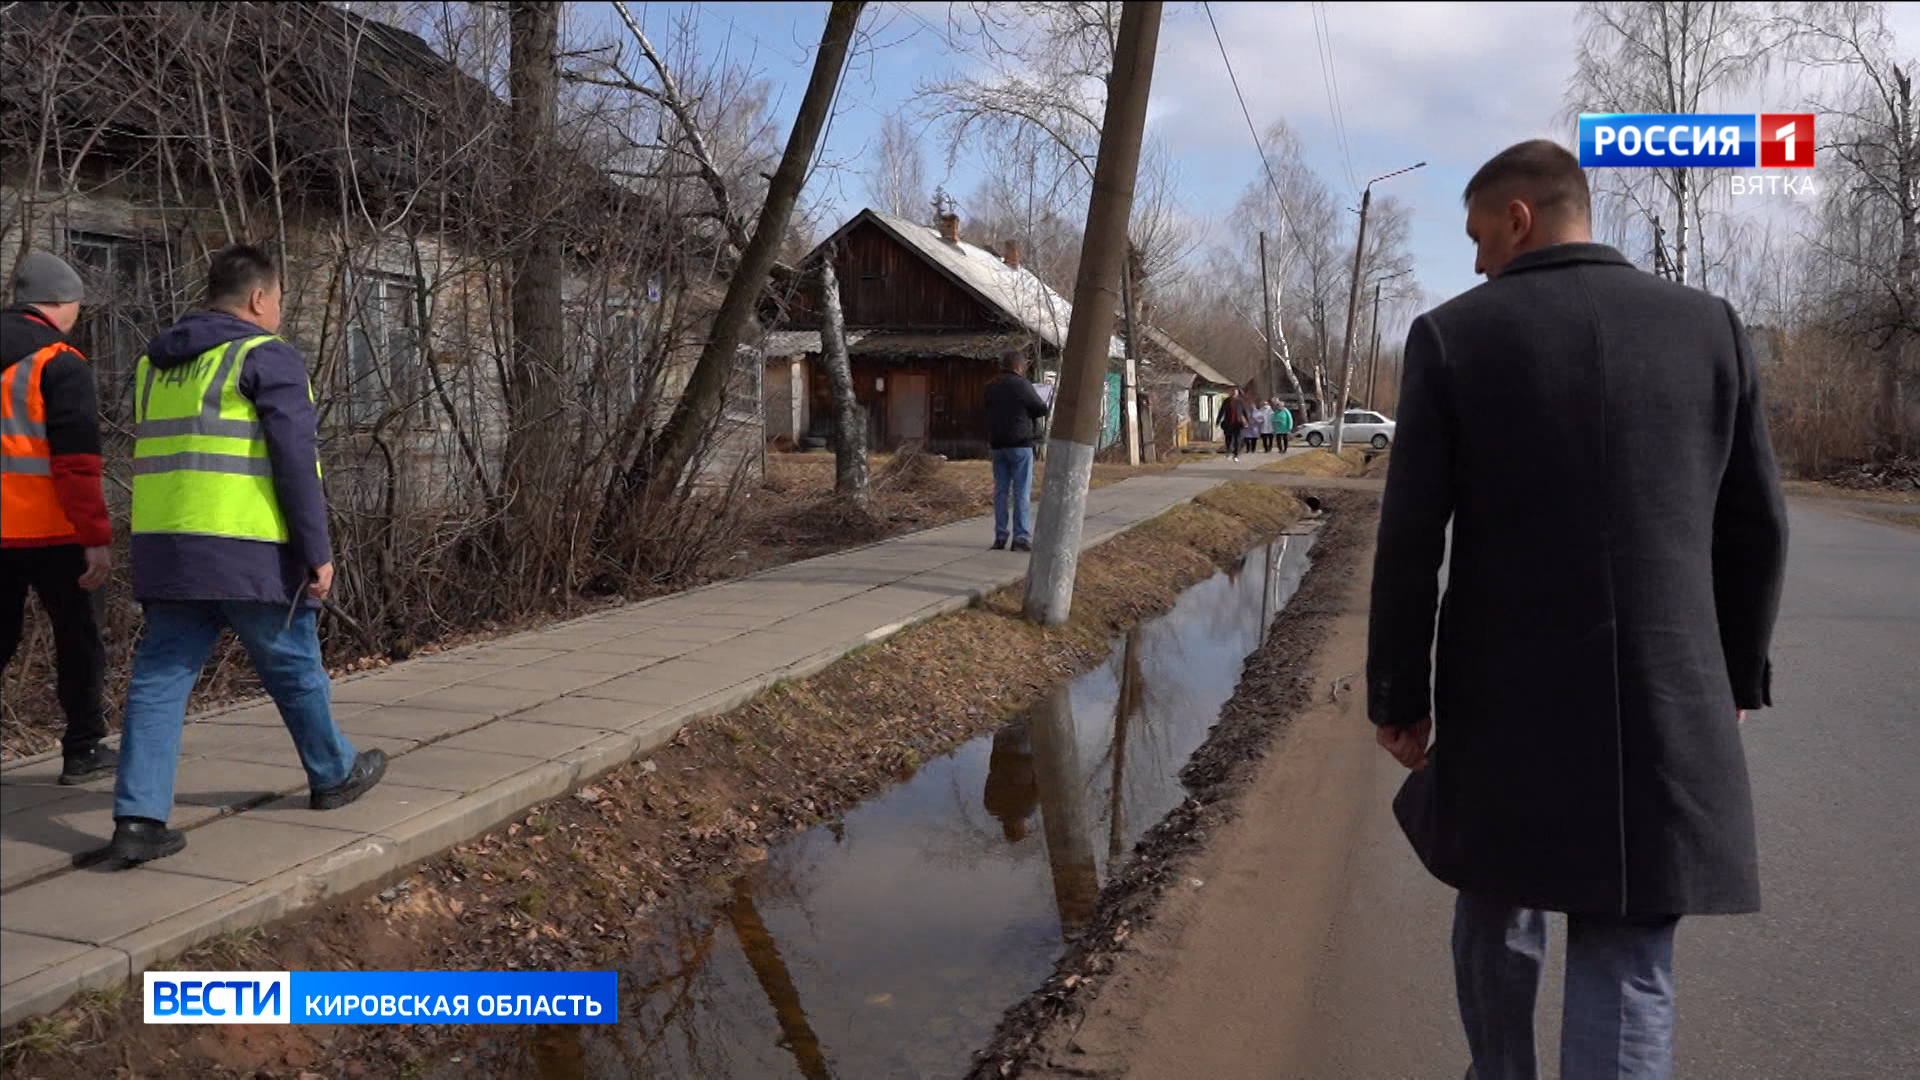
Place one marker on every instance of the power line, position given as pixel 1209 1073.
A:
pixel 1259 148
pixel 1323 45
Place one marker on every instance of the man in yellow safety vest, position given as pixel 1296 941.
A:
pixel 229 531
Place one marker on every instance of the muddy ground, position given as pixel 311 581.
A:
pixel 1275 685
pixel 585 880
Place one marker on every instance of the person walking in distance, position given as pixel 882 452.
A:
pixel 1263 424
pixel 1610 605
pixel 1013 407
pixel 1233 420
pixel 55 535
pixel 229 531
pixel 1282 423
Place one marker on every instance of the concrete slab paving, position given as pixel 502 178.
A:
pixel 551 681
pixel 247 848
pixel 539 742
pixel 224 784
pixel 407 722
pixel 386 805
pixel 488 701
pixel 595 662
pixel 477 735
pixel 33 954
pixel 454 770
pixel 95 906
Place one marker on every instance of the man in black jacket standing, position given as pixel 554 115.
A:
pixel 1013 406
pixel 1610 600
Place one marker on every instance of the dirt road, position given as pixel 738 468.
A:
pixel 1305 909
pixel 1305 941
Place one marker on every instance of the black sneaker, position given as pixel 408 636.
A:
pixel 999 543
pixel 1023 545
pixel 91 764
pixel 368 768
pixel 139 840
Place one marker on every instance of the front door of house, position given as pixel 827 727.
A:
pixel 907 408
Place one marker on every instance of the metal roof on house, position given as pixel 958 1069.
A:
pixel 900 344
pixel 1163 341
pixel 1019 295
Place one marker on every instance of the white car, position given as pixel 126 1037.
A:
pixel 1363 426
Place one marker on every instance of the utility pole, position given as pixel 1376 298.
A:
pixel 1076 421
pixel 1373 362
pixel 1130 393
pixel 1353 304
pixel 1373 357
pixel 1266 325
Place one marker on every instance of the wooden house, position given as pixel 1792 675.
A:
pixel 928 317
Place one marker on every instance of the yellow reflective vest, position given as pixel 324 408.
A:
pixel 200 463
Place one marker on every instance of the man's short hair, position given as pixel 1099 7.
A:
pixel 236 271
pixel 1540 172
pixel 1013 361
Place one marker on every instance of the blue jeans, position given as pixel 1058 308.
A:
pixel 174 647
pixel 1013 484
pixel 1617 1018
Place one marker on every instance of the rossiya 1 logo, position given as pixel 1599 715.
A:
pixel 1705 140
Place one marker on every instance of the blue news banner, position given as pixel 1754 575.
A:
pixel 381 997
pixel 1697 140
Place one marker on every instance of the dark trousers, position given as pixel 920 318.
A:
pixel 1266 443
pixel 80 656
pixel 1282 436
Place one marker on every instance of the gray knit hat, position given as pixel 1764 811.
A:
pixel 46 279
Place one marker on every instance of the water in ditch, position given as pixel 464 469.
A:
pixel 889 943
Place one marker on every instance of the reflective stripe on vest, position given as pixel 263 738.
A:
pixel 29 502
pixel 200 463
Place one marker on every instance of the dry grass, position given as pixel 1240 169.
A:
pixel 1351 462
pixel 583 880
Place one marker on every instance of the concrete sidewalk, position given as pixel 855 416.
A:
pixel 477 736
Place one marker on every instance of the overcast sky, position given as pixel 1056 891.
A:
pixel 1445 83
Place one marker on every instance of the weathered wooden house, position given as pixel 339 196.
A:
pixel 364 159
pixel 928 317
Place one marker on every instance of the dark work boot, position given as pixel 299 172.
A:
pixel 368 768
pixel 138 840
pixel 999 543
pixel 89 764
pixel 1023 545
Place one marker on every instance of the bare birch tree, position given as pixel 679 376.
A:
pixel 897 181
pixel 1665 56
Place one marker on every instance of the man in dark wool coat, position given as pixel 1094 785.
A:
pixel 1593 439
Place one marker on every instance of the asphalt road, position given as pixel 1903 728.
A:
pixel 1333 939
pixel 1825 981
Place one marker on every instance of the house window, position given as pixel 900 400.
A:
pixel 126 304
pixel 385 371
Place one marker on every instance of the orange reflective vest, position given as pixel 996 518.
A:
pixel 29 505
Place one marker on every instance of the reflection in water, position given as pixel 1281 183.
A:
pixel 1123 712
pixel 1011 794
pixel 908 926
pixel 1063 809
pixel 796 1034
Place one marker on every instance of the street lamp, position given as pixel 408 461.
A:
pixel 1373 362
pixel 1353 303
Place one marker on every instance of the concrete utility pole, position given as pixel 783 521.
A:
pixel 1076 418
pixel 1353 304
